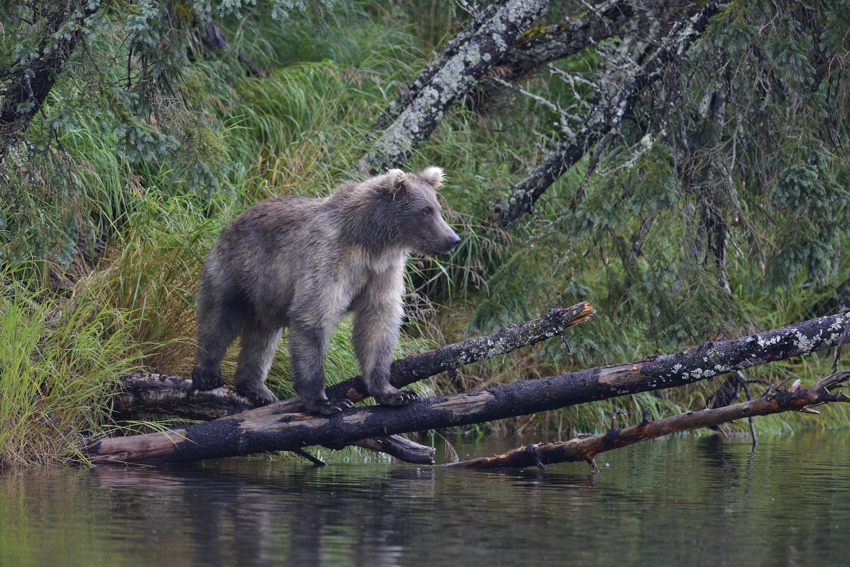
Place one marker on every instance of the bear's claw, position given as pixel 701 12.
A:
pixel 397 398
pixel 257 393
pixel 206 380
pixel 332 406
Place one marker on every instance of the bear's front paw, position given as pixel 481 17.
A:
pixel 206 379
pixel 397 398
pixel 329 406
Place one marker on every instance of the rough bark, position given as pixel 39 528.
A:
pixel 605 117
pixel 29 83
pixel 586 448
pixel 454 78
pixel 268 429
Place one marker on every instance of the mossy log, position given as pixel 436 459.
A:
pixel 273 428
pixel 585 448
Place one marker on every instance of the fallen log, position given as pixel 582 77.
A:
pixel 586 448
pixel 173 395
pixel 144 392
pixel 271 429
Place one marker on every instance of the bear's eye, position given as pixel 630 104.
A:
pixel 427 212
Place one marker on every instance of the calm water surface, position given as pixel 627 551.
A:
pixel 682 501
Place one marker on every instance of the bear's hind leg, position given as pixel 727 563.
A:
pixel 307 347
pixel 218 326
pixel 259 345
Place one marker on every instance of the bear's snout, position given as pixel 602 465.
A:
pixel 447 244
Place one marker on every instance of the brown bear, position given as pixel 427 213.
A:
pixel 304 264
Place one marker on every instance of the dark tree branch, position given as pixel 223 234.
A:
pixel 451 81
pixel 605 117
pixel 586 448
pixel 213 39
pixel 270 429
pixel 31 82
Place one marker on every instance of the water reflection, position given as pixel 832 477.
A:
pixel 685 500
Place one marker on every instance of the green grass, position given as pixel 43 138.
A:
pixel 60 359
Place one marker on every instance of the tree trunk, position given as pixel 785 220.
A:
pixel 269 429
pixel 59 30
pixel 604 118
pixel 454 78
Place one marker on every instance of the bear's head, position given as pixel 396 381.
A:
pixel 417 212
pixel 394 212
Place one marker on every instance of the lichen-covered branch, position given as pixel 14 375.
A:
pixel 605 117
pixel 411 91
pixel 586 448
pixel 539 46
pixel 534 48
pixel 270 429
pixel 454 78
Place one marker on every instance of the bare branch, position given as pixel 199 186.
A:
pixel 586 448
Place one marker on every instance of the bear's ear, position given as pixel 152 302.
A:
pixel 433 176
pixel 395 181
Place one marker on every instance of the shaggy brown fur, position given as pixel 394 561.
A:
pixel 304 264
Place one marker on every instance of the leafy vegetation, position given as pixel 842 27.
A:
pixel 148 145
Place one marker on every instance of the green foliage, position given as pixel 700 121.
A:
pixel 59 360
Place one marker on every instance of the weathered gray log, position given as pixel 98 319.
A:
pixel 586 448
pixel 453 80
pixel 268 429
pixel 604 117
pixel 173 395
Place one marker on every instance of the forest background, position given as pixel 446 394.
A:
pixel 688 176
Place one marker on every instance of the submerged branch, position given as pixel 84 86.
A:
pixel 586 448
pixel 271 428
